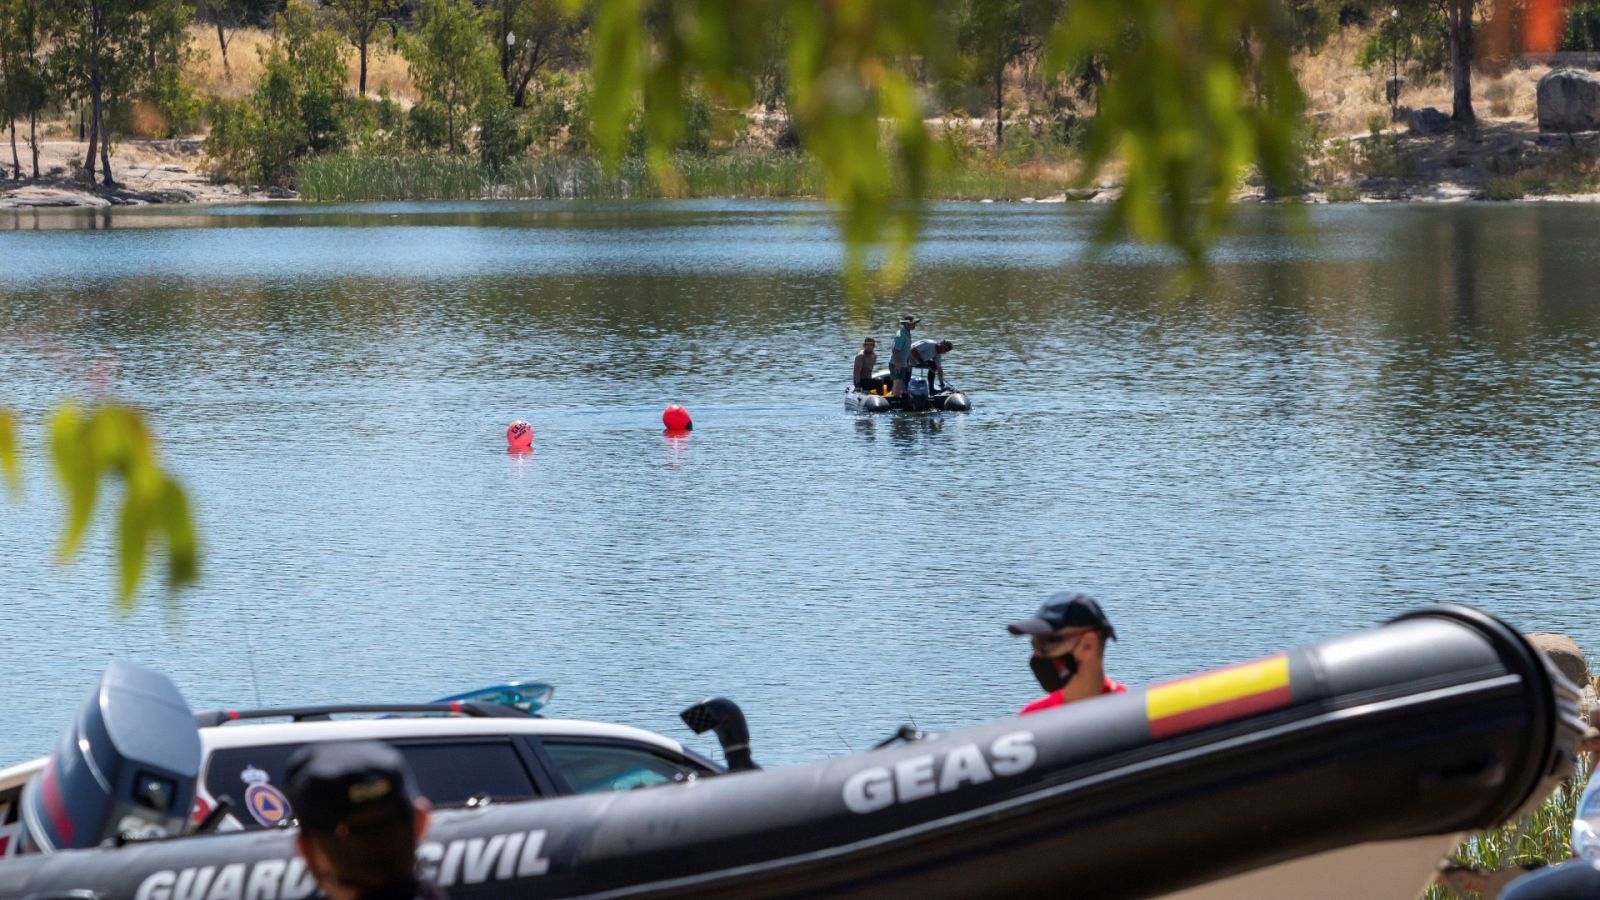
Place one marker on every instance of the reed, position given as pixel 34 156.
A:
pixel 352 177
pixel 1542 837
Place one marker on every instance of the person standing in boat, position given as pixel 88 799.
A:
pixel 930 354
pixel 1069 634
pixel 899 370
pixel 360 821
pixel 866 361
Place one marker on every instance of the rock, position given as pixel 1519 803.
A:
pixel 1081 194
pixel 1562 651
pixel 1428 120
pixel 1569 100
pixel 281 193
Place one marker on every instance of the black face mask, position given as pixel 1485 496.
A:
pixel 1054 672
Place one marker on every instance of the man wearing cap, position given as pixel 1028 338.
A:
pixel 360 821
pixel 1069 634
pixel 899 357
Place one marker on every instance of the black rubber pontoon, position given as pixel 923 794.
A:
pixel 1438 722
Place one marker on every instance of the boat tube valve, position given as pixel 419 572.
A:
pixel 124 770
pixel 723 716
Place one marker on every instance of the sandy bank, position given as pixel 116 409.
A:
pixel 146 172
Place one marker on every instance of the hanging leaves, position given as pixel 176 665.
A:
pixel 107 440
pixel 1196 92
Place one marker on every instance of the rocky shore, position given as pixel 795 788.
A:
pixel 146 172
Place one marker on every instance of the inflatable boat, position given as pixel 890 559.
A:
pixel 919 396
pixel 1339 769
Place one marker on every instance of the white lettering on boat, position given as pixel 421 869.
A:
pixel 498 857
pixel 931 774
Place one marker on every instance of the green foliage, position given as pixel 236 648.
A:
pixel 555 103
pixel 174 98
pixel 547 34
pixel 229 146
pixel 452 64
pixel 1179 111
pixel 104 441
pixel 1343 193
pixel 1414 41
pixel 501 136
pixel 1543 837
pixel 1510 187
pixel 104 53
pixel 356 21
pixel 10 465
pixel 298 109
pixel 1582 32
pixel 426 128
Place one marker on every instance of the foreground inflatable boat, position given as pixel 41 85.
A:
pixel 1344 768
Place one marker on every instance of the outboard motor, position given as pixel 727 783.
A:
pixel 125 769
pixel 917 389
pixel 723 716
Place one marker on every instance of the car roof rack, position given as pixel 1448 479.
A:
pixel 214 717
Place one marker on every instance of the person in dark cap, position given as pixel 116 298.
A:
pixel 360 821
pixel 900 357
pixel 1069 634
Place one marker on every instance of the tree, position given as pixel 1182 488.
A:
pixel 1409 43
pixel 104 49
pixel 451 64
pixel 24 87
pixel 357 20
pixel 997 33
pixel 532 35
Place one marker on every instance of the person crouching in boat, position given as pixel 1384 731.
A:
pixel 1069 634
pixel 930 354
pixel 866 361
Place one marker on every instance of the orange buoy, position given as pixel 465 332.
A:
pixel 519 436
pixel 676 418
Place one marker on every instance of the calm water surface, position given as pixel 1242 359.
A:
pixel 1394 409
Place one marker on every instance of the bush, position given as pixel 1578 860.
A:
pixel 550 111
pixel 1343 193
pixel 230 146
pixel 501 137
pixel 426 128
pixel 1502 189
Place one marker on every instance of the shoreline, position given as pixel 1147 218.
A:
pixel 171 173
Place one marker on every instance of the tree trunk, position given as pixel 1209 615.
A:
pixel 999 103
pixel 94 129
pixel 16 163
pixel 33 139
pixel 222 41
pixel 361 80
pixel 105 148
pixel 1459 16
pixel 505 48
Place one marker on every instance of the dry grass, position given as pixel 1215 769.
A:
pixel 385 69
pixel 1345 97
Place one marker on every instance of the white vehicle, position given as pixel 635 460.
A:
pixel 462 754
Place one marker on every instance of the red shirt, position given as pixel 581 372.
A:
pixel 1053 699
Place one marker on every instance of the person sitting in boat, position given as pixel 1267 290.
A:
pixel 1069 634
pixel 866 361
pixel 931 355
pixel 899 371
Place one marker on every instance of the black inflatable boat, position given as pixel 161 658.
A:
pixel 1362 751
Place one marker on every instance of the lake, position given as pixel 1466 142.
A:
pixel 1363 410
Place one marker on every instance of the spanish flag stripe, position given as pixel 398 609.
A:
pixel 1218 696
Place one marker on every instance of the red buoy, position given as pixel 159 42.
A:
pixel 519 436
pixel 676 418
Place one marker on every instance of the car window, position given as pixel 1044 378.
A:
pixel 451 773
pixel 589 768
pixel 448 773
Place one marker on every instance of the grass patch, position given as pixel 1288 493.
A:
pixel 1343 193
pixel 1510 187
pixel 352 177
